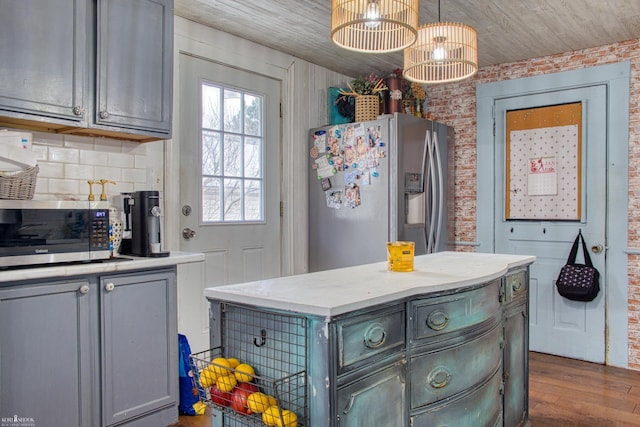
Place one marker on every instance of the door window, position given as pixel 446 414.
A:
pixel 232 144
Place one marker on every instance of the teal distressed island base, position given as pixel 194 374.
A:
pixel 444 345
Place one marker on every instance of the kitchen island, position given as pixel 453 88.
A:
pixel 446 344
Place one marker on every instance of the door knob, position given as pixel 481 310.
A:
pixel 188 233
pixel 596 249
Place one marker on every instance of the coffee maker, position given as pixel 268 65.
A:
pixel 141 234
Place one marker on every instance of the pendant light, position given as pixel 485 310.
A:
pixel 444 52
pixel 374 26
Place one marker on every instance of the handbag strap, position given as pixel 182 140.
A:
pixel 574 251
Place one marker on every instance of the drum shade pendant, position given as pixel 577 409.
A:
pixel 374 26
pixel 445 52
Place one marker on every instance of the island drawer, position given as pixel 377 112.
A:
pixel 444 373
pixel 516 284
pixel 363 338
pixel 481 407
pixel 448 313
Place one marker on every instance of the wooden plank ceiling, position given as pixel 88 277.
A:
pixel 508 30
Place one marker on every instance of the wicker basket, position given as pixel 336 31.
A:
pixel 367 107
pixel 19 185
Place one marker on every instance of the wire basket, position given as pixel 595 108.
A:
pixel 19 185
pixel 248 399
pixel 367 107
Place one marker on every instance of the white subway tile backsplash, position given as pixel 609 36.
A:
pixel 50 170
pixel 64 187
pixel 65 155
pixel 120 160
pixel 92 158
pixel 82 172
pixel 134 175
pixel 67 162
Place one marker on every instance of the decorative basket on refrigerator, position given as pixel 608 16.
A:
pixel 19 185
pixel 367 107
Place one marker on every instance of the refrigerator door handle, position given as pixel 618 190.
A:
pixel 430 223
pixel 440 208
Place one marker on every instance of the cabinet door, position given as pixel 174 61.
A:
pixel 516 365
pixel 135 64
pixel 377 400
pixel 45 368
pixel 43 58
pixel 139 344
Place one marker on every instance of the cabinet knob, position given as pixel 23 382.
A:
pixel 104 115
pixel 78 111
pixel 109 287
pixel 516 285
pixel 84 289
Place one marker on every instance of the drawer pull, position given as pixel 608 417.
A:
pixel 375 336
pixel 439 377
pixel 437 320
pixel 516 285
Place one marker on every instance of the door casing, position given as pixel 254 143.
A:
pixel 616 77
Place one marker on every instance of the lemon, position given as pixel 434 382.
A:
pixel 220 366
pixel 233 362
pixel 226 383
pixel 258 402
pixel 244 373
pixel 271 415
pixel 272 400
pixel 289 419
pixel 207 377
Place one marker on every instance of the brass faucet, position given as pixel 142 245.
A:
pixel 103 195
pixel 91 196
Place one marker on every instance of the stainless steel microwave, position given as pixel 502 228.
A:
pixel 43 232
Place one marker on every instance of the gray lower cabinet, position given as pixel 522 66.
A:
pixel 95 351
pixel 46 353
pixel 96 67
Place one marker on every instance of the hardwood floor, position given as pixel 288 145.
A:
pixel 563 393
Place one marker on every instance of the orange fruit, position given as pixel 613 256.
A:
pixel 244 373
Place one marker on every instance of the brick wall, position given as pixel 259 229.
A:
pixel 455 105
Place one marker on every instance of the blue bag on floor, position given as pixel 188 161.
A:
pixel 189 403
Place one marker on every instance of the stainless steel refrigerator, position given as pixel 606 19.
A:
pixel 378 181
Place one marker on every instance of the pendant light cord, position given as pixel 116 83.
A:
pixel 439 11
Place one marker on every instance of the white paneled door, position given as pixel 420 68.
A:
pixel 541 214
pixel 230 168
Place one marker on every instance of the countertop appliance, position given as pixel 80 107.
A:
pixel 43 232
pixel 141 236
pixel 378 181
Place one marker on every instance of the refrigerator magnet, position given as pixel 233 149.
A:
pixel 334 198
pixel 314 152
pixel 326 184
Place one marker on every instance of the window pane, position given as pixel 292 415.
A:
pixel 232 199
pixel 211 153
pixel 211 199
pixel 252 157
pixel 210 107
pixel 253 115
pixel 253 200
pixel 232 155
pixel 232 111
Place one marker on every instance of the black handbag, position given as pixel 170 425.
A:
pixel 578 282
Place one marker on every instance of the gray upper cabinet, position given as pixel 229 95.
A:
pixel 88 67
pixel 134 61
pixel 43 46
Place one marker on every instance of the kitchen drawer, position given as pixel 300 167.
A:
pixel 482 407
pixel 442 374
pixel 441 315
pixel 516 285
pixel 370 336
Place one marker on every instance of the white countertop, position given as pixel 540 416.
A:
pixel 106 266
pixel 334 292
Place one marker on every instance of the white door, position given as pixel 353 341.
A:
pixel 557 326
pixel 229 173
